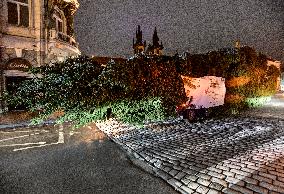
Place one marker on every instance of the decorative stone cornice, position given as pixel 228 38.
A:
pixel 73 2
pixel 70 5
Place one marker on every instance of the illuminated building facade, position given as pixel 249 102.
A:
pixel 32 33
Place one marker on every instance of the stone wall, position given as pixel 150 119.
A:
pixel 34 43
pixel 10 53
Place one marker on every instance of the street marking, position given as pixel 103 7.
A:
pixel 11 138
pixel 25 148
pixel 60 141
pixel 45 131
pixel 23 144
pixel 61 135
pixel 73 132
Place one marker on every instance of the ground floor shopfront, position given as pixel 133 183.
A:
pixel 14 65
pixel 15 62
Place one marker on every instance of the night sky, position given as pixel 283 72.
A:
pixel 107 27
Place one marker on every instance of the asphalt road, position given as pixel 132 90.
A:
pixel 84 162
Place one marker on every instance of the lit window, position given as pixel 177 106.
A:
pixel 18 12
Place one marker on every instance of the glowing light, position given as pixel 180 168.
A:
pixel 275 104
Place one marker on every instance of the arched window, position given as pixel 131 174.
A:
pixel 58 17
pixel 18 12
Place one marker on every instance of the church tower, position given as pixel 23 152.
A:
pixel 238 44
pixel 156 48
pixel 139 45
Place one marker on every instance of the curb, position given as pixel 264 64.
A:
pixel 140 162
pixel 25 124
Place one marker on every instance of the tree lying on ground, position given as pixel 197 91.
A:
pixel 143 77
pixel 62 86
pixel 84 90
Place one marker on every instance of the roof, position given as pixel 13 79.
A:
pixel 105 60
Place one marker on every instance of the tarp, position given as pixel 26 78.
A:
pixel 205 92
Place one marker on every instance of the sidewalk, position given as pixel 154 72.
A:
pixel 19 119
pixel 232 155
pixel 24 124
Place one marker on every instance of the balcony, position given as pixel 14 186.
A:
pixel 54 35
pixel 68 39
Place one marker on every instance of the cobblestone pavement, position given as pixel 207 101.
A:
pixel 231 155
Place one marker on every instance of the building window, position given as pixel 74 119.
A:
pixel 18 12
pixel 58 21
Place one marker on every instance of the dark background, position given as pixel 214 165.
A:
pixel 107 27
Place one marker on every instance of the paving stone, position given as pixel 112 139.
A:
pixel 231 166
pixel 230 191
pixel 215 170
pixel 166 169
pixel 208 163
pixel 248 170
pixel 271 187
pixel 241 189
pixel 163 175
pixel 278 183
pixel 173 172
pixel 158 164
pixel 229 155
pixel 217 175
pixel 272 192
pixel 189 171
pixel 203 176
pixel 174 182
pixel 240 172
pixel 195 168
pixel 242 165
pixel 180 175
pixel 193 185
pixel 203 182
pixel 280 179
pixel 147 158
pixel 270 176
pixel 250 180
pixel 176 167
pixel 191 177
pixel 269 168
pixel 281 170
pixel 278 174
pixel 257 188
pixel 186 189
pixel 276 166
pixel 261 178
pixel 216 186
pixel 220 181
pixel 253 167
pixel 234 181
pixel 185 181
pixel 184 165
pixel 202 189
pixel 213 191
pixel 240 177
pixel 231 174
pixel 224 168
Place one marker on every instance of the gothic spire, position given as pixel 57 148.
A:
pixel 139 35
pixel 139 45
pixel 155 38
